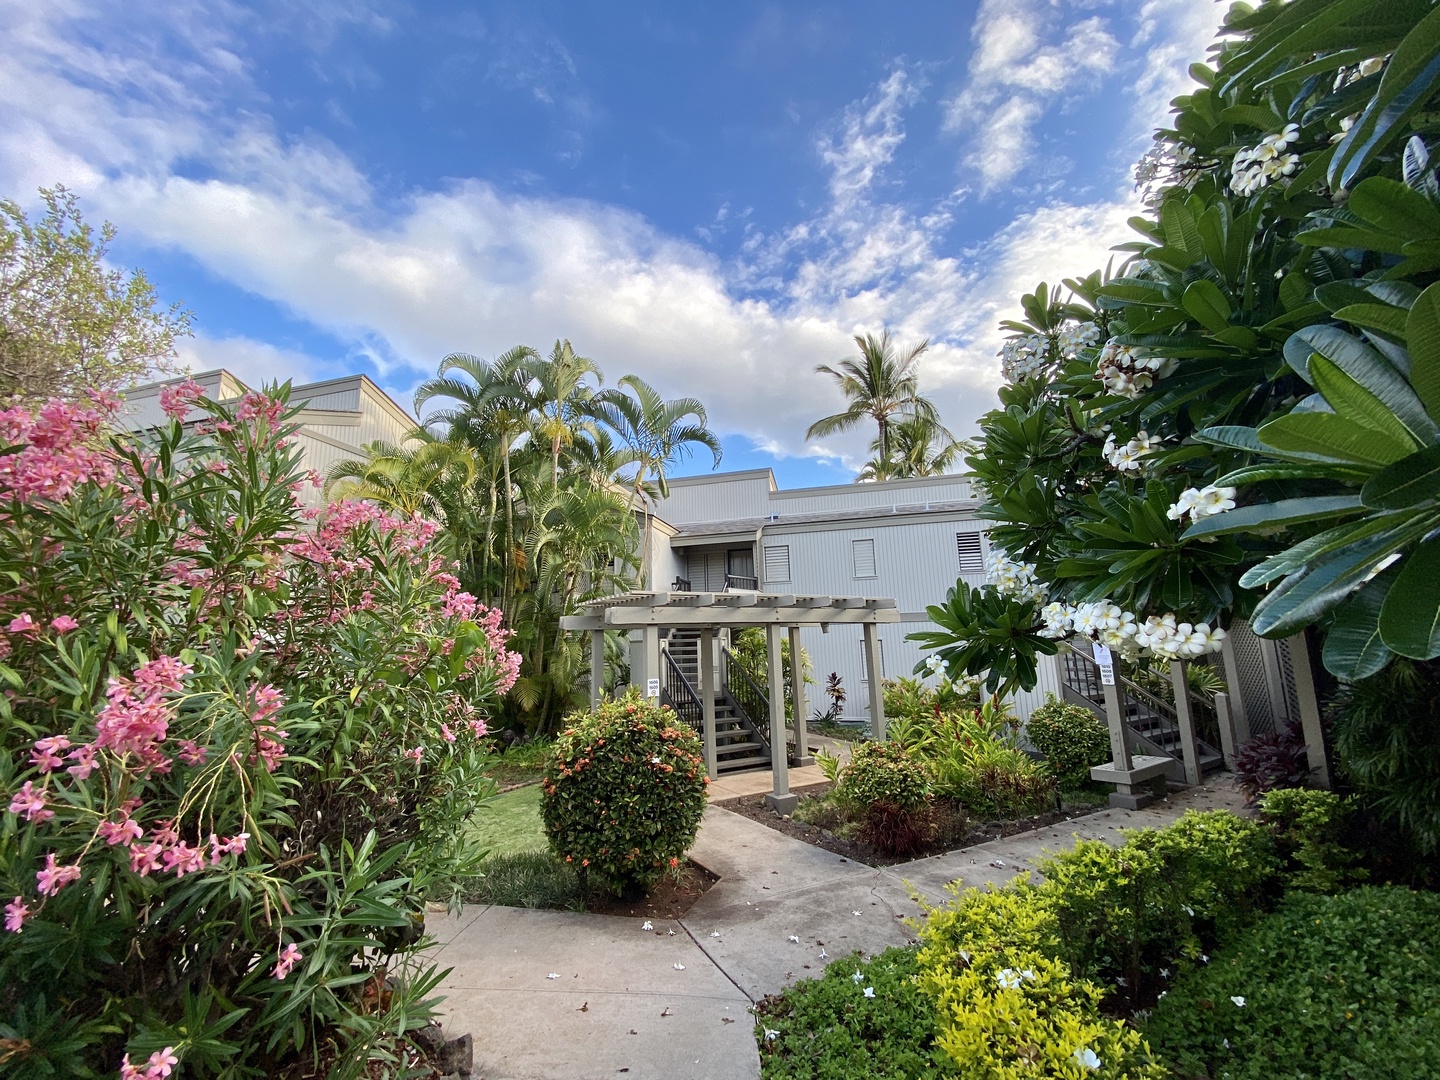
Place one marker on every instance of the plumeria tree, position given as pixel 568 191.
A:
pixel 238 746
pixel 1177 435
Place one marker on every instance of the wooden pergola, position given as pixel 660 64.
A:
pixel 778 614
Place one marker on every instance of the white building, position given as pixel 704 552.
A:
pixel 339 417
pixel 906 540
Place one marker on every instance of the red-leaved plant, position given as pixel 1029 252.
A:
pixel 239 744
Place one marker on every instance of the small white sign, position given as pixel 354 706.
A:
pixel 652 688
pixel 1105 662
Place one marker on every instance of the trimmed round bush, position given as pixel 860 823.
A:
pixel 1328 986
pixel 623 794
pixel 884 772
pixel 1071 737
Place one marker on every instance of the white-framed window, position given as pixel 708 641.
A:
pixel 970 547
pixel 865 663
pixel 777 563
pixel 862 558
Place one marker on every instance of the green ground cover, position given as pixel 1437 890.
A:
pixel 509 824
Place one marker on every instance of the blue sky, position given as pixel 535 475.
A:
pixel 715 197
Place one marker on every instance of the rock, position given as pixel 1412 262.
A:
pixel 430 1038
pixel 458 1056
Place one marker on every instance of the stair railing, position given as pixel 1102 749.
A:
pixel 681 695
pixel 751 699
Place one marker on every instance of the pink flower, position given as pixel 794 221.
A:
pixel 175 402
pixel 161 1062
pixel 164 673
pixel 289 957
pixel 30 801
pixel 54 878
pixel 63 624
pixel 84 758
pixel 125 831
pixel 22 624
pixel 16 912
pixel 446 733
pixel 183 859
pixel 130 1072
pixel 416 754
pixel 191 753
pixel 44 757
pixel 145 858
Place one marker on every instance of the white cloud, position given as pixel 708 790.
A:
pixel 1014 75
pixel 255 363
pixel 475 268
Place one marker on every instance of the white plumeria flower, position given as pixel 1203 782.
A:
pixel 1164 973
pixel 655 760
pixel 1214 500
pixel 1204 959
pixel 679 967
pixel 771 1034
pixel 1239 1000
pixel 857 976
pixel 553 975
pixel 794 939
pixel 1009 979
pixel 647 925
pixel 854 913
pixel 1086 1058
pixel 824 955
pixel 869 991
pixel 714 933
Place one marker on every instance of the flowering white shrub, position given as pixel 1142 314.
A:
pixel 1255 167
pixel 1161 637
pixel 1202 502
pixel 1010 578
pixel 1127 458
pixel 1029 355
pixel 1126 373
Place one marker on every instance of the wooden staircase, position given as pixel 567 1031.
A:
pixel 740 741
pixel 1153 725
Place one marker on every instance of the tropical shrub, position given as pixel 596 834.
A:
pixel 884 772
pixel 1310 832
pixel 1007 1007
pixel 623 793
pixel 1274 760
pixel 911 698
pixel 238 747
pixel 861 1019
pixel 1071 737
pixel 898 830
pixel 1344 985
pixel 1387 740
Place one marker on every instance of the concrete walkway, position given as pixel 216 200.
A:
pixel 620 1006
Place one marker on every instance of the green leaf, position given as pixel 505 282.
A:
pixel 1303 597
pixel 1395 208
pixel 1353 647
pixel 1408 482
pixel 1274 515
pixel 1422 334
pixel 1410 615
pixel 1382 317
pixel 1254 474
pixel 1336 436
pixel 1352 401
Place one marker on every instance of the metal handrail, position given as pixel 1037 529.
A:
pixel 681 585
pixel 738 581
pixel 750 698
pixel 683 697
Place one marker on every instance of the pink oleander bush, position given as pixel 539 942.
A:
pixel 238 744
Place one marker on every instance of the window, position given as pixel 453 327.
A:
pixel 777 563
pixel 862 555
pixel 865 664
pixel 972 557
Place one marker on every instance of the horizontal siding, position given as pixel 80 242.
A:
pixel 721 500
pixel 338 399
pixel 854 496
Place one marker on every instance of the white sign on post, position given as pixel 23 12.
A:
pixel 1106 664
pixel 652 688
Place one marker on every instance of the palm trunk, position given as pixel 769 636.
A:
pixel 508 560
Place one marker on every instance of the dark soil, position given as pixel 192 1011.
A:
pixel 979 832
pixel 672 896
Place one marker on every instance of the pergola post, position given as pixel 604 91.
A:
pixel 1115 721
pixel 1309 711
pixel 876 691
pixel 797 695
pixel 597 668
pixel 707 698
pixel 780 800
pixel 1185 718
pixel 1239 715
pixel 652 663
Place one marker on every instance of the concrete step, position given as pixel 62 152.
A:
pixel 738 747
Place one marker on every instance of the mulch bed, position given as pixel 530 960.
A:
pixel 980 832
pixel 671 897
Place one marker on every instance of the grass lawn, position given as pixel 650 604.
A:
pixel 510 824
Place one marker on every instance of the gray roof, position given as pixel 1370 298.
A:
pixel 864 513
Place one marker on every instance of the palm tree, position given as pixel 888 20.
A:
pixel 919 446
pixel 492 414
pixel 658 433
pixel 881 386
pixel 561 398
